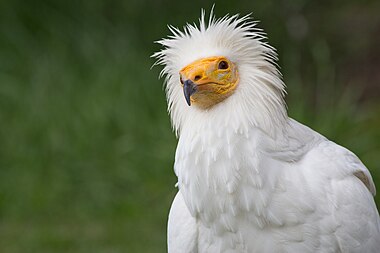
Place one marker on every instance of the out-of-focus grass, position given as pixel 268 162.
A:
pixel 86 147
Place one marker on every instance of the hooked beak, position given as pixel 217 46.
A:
pixel 189 88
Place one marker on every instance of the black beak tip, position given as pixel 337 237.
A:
pixel 188 101
pixel 189 88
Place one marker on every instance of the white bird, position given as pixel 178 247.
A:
pixel 250 178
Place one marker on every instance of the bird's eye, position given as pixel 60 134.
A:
pixel 180 79
pixel 223 65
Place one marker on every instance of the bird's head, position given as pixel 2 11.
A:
pixel 208 81
pixel 224 71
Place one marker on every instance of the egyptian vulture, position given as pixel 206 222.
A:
pixel 250 178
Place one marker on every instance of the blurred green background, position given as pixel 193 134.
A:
pixel 86 148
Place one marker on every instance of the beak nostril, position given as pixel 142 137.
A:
pixel 197 77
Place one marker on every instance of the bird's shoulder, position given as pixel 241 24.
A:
pixel 316 153
pixel 344 189
pixel 337 163
pixel 337 175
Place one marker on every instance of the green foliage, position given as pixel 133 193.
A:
pixel 86 148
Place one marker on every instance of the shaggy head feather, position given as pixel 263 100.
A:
pixel 258 99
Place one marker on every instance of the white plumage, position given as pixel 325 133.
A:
pixel 251 179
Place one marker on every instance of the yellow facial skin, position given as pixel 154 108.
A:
pixel 214 79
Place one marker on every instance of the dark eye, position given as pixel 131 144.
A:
pixel 223 65
pixel 180 79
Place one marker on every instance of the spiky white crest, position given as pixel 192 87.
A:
pixel 258 99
